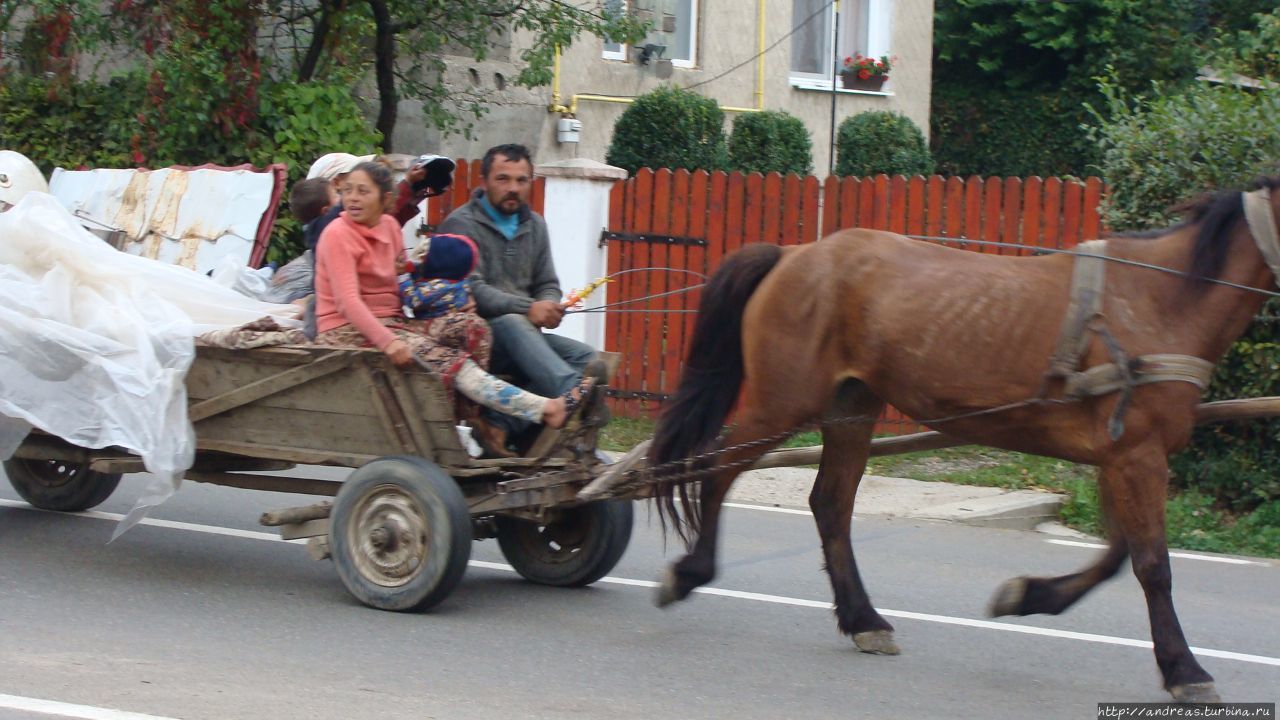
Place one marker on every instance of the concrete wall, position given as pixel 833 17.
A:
pixel 727 35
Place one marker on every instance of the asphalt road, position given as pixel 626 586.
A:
pixel 184 621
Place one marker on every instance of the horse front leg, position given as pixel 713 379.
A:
pixel 1133 487
pixel 1052 595
pixel 1138 483
pixel 846 444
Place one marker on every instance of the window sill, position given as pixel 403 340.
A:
pixel 825 86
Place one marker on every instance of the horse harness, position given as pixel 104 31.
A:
pixel 1124 373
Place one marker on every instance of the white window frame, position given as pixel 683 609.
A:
pixel 621 52
pixel 877 18
pixel 624 51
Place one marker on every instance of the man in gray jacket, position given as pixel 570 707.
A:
pixel 515 285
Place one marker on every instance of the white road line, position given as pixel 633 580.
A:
pixel 1183 555
pixel 769 508
pixel 172 524
pixel 87 712
pixel 758 597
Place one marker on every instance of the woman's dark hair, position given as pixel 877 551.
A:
pixel 379 173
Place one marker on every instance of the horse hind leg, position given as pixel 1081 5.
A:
pixel 846 444
pixel 757 421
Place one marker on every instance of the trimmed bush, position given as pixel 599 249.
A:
pixel 879 141
pixel 670 128
pixel 770 141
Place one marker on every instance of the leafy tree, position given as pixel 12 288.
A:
pixel 402 43
pixel 670 128
pixel 1013 76
pixel 411 39
pixel 770 141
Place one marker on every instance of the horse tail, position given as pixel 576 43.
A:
pixel 691 421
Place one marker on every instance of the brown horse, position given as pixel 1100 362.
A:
pixel 838 328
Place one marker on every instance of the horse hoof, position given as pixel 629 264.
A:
pixel 1203 692
pixel 666 589
pixel 876 642
pixel 1008 598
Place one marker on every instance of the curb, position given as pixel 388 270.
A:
pixel 1016 510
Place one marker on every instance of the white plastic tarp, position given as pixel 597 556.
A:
pixel 95 343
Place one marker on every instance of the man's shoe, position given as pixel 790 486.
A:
pixel 491 438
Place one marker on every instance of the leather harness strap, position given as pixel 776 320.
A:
pixel 1084 315
pixel 1262 224
pixel 1088 278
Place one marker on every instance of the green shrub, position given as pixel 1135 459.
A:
pixel 69 126
pixel 770 141
pixel 670 128
pixel 994 130
pixel 879 141
pixel 1160 151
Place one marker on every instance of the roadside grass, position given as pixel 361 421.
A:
pixel 1193 522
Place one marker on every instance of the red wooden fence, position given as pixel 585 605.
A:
pixel 684 223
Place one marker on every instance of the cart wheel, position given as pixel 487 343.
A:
pixel 576 546
pixel 58 485
pixel 400 534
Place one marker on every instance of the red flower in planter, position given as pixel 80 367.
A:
pixel 865 68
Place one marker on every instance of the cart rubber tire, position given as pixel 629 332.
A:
pixel 58 485
pixel 577 547
pixel 400 534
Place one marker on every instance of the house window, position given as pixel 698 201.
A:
pixel 864 30
pixel 674 26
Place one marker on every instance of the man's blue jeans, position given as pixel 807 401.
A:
pixel 540 362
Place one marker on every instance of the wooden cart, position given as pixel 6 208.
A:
pixel 399 528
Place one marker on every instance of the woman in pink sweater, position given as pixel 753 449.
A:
pixel 358 302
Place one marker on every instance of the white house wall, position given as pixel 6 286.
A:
pixel 726 36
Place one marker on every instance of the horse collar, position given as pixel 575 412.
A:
pixel 1262 224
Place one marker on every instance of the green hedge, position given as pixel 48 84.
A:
pixel 80 124
pixel 670 128
pixel 770 141
pixel 1009 133
pixel 879 141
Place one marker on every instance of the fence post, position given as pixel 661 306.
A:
pixel 576 208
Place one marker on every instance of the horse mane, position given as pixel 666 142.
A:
pixel 1217 214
